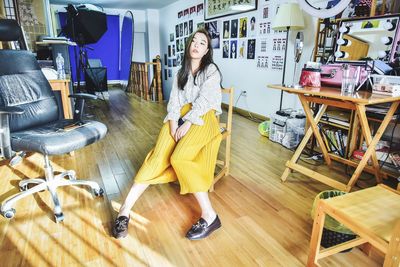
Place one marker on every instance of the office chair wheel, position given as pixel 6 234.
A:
pixel 9 214
pixel 98 193
pixel 23 188
pixel 59 217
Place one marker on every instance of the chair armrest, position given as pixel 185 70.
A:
pixel 80 104
pixel 11 111
pixel 83 96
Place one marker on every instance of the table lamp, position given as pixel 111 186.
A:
pixel 289 16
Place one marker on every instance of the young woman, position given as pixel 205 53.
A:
pixel 187 147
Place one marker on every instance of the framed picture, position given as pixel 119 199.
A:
pixel 220 8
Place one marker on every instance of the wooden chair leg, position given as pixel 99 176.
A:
pixel 392 257
pixel 315 243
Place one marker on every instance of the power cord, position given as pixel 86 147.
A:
pixel 249 116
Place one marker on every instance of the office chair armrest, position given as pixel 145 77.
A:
pixel 5 137
pixel 83 96
pixel 80 104
pixel 11 111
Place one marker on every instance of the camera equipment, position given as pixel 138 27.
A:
pixel 86 24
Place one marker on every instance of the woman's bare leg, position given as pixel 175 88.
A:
pixel 133 195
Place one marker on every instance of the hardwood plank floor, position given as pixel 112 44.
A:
pixel 265 222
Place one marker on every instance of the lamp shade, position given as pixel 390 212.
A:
pixel 289 15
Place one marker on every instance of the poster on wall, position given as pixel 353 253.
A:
pixel 226 29
pixel 225 49
pixel 221 8
pixel 243 28
pixel 242 48
pixel 251 48
pixel 233 49
pixel 277 63
pixel 200 10
pixel 212 28
pixel 234 28
pixel 252 28
pixel 262 62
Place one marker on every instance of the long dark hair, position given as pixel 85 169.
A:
pixel 186 66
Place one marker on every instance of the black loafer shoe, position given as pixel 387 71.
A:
pixel 120 227
pixel 201 229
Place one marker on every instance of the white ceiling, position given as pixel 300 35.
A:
pixel 122 4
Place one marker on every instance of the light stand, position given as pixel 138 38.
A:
pixel 289 16
pixel 284 68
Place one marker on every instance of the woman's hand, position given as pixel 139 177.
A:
pixel 173 126
pixel 182 131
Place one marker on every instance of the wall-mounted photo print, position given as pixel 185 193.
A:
pixel 200 10
pixel 165 60
pixel 180 14
pixel 186 13
pixel 243 28
pixel 252 28
pixel 226 29
pixel 177 31
pixel 192 11
pixel 170 63
pixel 225 49
pixel 251 48
pixel 212 28
pixel 181 30
pixel 174 62
pixel 177 45
pixel 173 50
pixel 165 74
pixel 185 28
pixel 200 25
pixel 169 73
pixel 171 37
pixel 169 51
pixel 233 49
pixel 234 28
pixel 190 26
pixel 242 48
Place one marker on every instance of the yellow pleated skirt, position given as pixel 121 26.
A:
pixel 191 160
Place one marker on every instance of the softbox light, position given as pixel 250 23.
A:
pixel 86 23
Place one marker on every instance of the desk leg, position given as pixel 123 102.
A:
pixel 372 144
pixel 314 126
pixel 361 112
pixel 303 143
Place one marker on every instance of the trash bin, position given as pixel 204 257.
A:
pixel 334 232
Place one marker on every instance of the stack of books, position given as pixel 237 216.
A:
pixel 335 140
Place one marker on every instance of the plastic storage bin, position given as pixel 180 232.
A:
pixel 287 130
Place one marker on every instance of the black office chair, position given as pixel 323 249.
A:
pixel 29 122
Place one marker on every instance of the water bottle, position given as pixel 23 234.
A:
pixel 60 67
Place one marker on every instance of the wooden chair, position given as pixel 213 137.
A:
pixel 372 214
pixel 226 130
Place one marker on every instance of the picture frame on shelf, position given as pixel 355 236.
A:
pixel 221 8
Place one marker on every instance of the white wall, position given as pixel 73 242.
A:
pixel 243 74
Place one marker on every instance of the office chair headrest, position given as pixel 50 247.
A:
pixel 10 30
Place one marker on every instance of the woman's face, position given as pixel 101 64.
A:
pixel 199 46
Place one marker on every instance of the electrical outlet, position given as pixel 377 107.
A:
pixel 244 93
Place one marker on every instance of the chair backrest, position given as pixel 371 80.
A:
pixel 11 31
pixel 23 85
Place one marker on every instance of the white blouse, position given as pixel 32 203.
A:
pixel 204 96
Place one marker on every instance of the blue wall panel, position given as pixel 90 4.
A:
pixel 106 49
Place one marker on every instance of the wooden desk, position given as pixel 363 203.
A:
pixel 333 97
pixel 63 87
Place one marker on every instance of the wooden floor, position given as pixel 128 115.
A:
pixel 265 222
